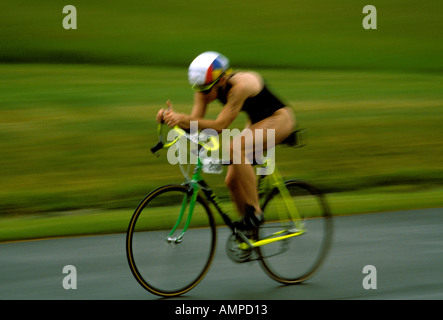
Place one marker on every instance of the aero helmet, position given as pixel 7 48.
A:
pixel 207 69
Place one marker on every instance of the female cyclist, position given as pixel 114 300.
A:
pixel 212 79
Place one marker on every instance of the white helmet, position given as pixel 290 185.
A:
pixel 207 69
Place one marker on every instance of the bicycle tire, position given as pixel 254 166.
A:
pixel 157 268
pixel 308 251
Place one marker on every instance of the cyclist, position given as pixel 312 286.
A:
pixel 212 78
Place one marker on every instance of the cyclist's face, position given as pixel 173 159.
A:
pixel 211 94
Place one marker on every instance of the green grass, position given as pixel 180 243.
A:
pixel 77 137
pixel 279 34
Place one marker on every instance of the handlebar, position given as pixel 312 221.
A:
pixel 157 147
pixel 211 145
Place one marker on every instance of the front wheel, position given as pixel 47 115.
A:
pixel 168 252
pixel 298 209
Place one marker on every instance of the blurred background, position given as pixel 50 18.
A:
pixel 77 106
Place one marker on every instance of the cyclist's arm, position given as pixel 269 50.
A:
pixel 172 118
pixel 236 98
pixel 199 109
pixel 239 92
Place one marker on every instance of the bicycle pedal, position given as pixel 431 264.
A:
pixel 237 250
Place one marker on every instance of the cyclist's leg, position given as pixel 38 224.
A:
pixel 241 182
pixel 282 122
pixel 241 178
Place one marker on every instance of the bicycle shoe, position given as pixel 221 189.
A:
pixel 250 223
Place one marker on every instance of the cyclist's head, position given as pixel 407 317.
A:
pixel 207 69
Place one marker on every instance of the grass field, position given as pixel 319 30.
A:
pixel 77 106
pixel 77 137
pixel 316 34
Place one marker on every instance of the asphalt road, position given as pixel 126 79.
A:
pixel 406 249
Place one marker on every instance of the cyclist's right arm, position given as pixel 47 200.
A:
pixel 198 111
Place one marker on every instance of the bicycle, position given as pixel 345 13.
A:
pixel 171 238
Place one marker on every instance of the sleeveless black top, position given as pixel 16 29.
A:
pixel 259 107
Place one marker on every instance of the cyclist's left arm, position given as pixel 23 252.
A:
pixel 235 100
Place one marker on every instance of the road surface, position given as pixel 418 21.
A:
pixel 405 248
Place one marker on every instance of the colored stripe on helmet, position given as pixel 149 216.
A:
pixel 209 78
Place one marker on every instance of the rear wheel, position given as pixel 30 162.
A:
pixel 170 263
pixel 297 258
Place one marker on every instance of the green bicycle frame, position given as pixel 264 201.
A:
pixel 286 212
pixel 194 186
pixel 291 209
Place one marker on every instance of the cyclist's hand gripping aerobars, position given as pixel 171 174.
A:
pixel 160 122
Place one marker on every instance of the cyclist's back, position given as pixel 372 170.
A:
pixel 258 107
